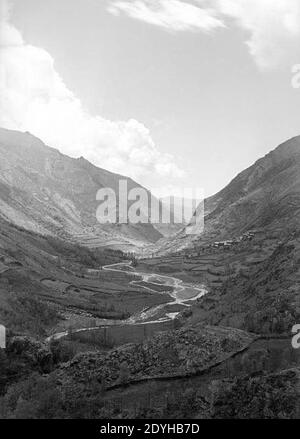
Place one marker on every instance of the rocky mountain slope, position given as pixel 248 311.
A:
pixel 47 192
pixel 265 196
pixel 232 356
pixel 248 254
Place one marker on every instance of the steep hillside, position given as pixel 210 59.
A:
pixel 265 196
pixel 262 297
pixel 45 282
pixel 248 254
pixel 47 192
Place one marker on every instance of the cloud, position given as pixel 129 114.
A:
pixel 172 15
pixel 273 26
pixel 33 97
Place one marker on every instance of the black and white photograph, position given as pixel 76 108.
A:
pixel 149 213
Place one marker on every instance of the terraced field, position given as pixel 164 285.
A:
pixel 112 295
pixel 214 267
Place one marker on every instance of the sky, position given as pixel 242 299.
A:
pixel 173 93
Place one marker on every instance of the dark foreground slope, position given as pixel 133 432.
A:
pixel 193 372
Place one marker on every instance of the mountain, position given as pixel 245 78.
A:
pixel 266 196
pixel 47 192
pixel 249 253
pixel 230 353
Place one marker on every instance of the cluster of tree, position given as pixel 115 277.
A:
pixel 92 258
pixel 25 356
pixel 40 397
pixel 26 313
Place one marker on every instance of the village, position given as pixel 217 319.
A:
pixel 224 245
pixel 199 248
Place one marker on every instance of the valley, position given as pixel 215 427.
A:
pixel 181 296
pixel 126 325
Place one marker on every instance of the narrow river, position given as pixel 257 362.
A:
pixel 181 294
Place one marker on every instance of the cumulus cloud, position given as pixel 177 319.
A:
pixel 172 15
pixel 33 97
pixel 273 25
pixel 274 28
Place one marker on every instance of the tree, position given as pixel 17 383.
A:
pixel 124 373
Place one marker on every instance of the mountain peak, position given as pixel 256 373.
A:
pixel 48 192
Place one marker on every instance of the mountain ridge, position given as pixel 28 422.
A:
pixel 265 195
pixel 46 191
pixel 269 179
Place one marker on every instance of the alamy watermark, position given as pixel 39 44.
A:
pixel 2 337
pixel 296 76
pixel 296 338
pixel 137 205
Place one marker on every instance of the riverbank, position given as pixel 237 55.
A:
pixel 157 318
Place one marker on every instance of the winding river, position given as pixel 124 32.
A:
pixel 182 294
